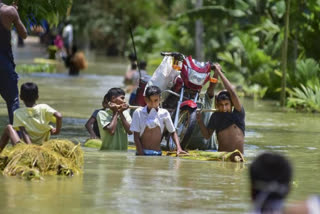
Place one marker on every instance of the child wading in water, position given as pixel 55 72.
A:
pixel 32 121
pixel 92 123
pixel 114 122
pixel 148 124
pixel 229 125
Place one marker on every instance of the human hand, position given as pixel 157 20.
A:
pixel 123 107
pixel 93 137
pixel 114 107
pixel 217 69
pixel 198 116
pixel 54 131
pixel 181 152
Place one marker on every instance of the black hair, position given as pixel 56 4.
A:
pixel 132 57
pixel 113 92
pixel 223 95
pixel 133 66
pixel 29 92
pixel 142 64
pixel 270 173
pixel 152 90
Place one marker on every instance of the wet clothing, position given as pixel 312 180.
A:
pixel 118 141
pixel 142 119
pixel 222 120
pixel 197 141
pixel 149 152
pixel 67 36
pixel 36 120
pixel 8 77
pixel 95 126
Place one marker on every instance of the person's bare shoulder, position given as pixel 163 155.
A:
pixel 10 12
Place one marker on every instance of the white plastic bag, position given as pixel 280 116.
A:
pixel 164 75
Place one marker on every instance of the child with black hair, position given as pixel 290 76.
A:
pixel 114 121
pixel 148 124
pixel 229 124
pixel 270 178
pixel 92 123
pixel 33 121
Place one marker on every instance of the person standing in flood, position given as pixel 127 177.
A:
pixel 8 77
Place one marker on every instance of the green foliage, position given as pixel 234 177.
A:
pixel 245 36
pixel 32 68
pixel 33 11
pixel 106 23
pixel 307 70
pixel 255 91
pixel 306 97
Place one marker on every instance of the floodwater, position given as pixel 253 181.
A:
pixel 115 182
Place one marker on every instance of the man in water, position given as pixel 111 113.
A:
pixel 8 77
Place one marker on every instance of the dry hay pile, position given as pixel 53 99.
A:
pixel 55 157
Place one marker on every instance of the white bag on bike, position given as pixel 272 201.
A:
pixel 164 75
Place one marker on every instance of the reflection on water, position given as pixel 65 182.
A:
pixel 123 183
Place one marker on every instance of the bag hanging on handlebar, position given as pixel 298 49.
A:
pixel 164 75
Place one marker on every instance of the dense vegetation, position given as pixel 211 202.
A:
pixel 245 36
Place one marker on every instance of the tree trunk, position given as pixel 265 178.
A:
pixel 284 60
pixel 199 35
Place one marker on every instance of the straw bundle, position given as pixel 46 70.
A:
pixel 66 149
pixel 59 157
pixel 79 60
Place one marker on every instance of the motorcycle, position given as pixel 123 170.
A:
pixel 181 85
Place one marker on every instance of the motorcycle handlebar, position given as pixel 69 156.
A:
pixel 180 57
pixel 176 55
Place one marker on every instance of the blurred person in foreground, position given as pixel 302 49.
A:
pixel 270 178
pixel 8 77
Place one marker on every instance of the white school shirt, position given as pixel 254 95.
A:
pixel 141 119
pixel 313 205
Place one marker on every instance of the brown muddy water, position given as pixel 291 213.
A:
pixel 115 182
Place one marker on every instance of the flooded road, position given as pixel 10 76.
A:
pixel 115 182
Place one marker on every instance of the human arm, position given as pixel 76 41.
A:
pixel 111 127
pixel 212 85
pixel 207 133
pixel 234 98
pixel 177 142
pixel 25 135
pixel 125 122
pixel 138 143
pixel 22 31
pixel 58 117
pixel 89 125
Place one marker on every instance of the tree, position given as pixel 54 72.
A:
pixel 34 11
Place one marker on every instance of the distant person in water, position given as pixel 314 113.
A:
pixel 136 80
pixel 92 123
pixel 75 62
pixel 270 178
pixel 148 124
pixel 114 121
pixel 229 124
pixel 8 77
pixel 132 67
pixel 33 121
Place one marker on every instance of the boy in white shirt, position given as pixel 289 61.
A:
pixel 148 124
